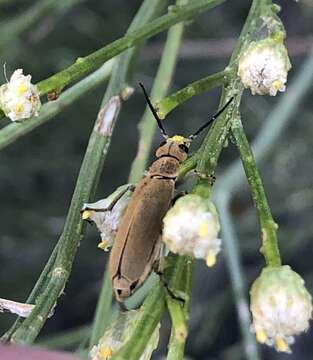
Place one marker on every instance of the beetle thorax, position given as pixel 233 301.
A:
pixel 169 157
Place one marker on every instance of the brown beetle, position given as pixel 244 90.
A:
pixel 137 246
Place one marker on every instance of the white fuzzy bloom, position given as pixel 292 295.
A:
pixel 19 98
pixel 118 334
pixel 106 217
pixel 191 228
pixel 281 307
pixel 263 67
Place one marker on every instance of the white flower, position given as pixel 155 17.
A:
pixel 106 219
pixel 19 98
pixel 191 228
pixel 118 333
pixel 281 307
pixel 263 67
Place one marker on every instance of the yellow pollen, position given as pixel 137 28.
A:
pixel 281 345
pixel 86 214
pixel 203 229
pixel 19 108
pixel 178 139
pixel 21 89
pixel 104 245
pixel 105 353
pixel 211 259
pixel 261 336
pixel 276 84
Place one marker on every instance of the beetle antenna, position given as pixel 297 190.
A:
pixel 163 132
pixel 215 116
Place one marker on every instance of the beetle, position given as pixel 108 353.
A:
pixel 137 246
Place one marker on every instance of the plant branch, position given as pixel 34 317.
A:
pixel 268 226
pixel 180 284
pixel 169 103
pixel 86 64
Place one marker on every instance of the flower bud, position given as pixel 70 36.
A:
pixel 281 307
pixel 19 98
pixel 118 333
pixel 263 67
pixel 106 217
pixel 191 228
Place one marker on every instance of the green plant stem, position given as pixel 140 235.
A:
pixel 180 284
pixel 14 131
pixel 169 103
pixel 120 79
pixel 84 65
pixel 268 226
pixel 147 124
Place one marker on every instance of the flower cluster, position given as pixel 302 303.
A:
pixel 281 307
pixel 19 98
pixel 191 228
pixel 263 67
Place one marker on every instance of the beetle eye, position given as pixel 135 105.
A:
pixel 184 148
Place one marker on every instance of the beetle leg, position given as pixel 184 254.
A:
pixel 168 288
pixel 111 205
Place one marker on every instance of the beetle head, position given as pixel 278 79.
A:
pixel 176 146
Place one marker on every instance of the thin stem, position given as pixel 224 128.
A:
pixel 268 226
pixel 14 131
pixel 166 105
pixel 180 284
pixel 147 124
pixel 84 65
pixel 233 262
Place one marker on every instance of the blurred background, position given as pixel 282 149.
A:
pixel 38 172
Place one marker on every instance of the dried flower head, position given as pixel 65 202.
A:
pixel 106 217
pixel 263 67
pixel 19 98
pixel 191 228
pixel 118 334
pixel 281 307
